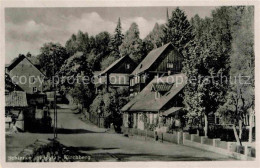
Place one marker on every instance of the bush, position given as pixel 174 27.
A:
pixel 227 133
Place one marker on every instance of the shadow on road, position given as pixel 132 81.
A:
pixel 74 131
pixel 107 155
pixel 65 131
pixel 90 148
pixel 122 157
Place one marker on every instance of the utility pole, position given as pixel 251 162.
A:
pixel 54 101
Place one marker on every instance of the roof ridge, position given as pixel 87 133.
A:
pixel 150 58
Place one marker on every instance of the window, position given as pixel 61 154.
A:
pixel 131 82
pixel 127 66
pixel 33 79
pixel 34 89
pixel 217 120
pixel 169 65
pixel 157 95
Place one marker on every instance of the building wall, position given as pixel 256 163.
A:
pixel 159 67
pixel 170 56
pixel 25 71
pixel 119 79
pixel 127 66
pixel 140 122
pixel 125 120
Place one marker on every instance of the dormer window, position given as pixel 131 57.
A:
pixel 161 89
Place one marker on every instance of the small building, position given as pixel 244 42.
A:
pixel 25 74
pixel 156 104
pixel 165 60
pixel 15 106
pixel 117 74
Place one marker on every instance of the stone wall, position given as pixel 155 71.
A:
pixel 231 149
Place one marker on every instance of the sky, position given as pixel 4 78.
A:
pixel 27 29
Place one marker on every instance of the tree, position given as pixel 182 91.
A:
pixel 109 104
pixel 132 44
pixel 116 40
pixel 178 30
pixel 28 55
pixel 100 51
pixel 71 46
pixel 76 76
pixel 240 97
pixel 107 61
pixel 154 38
pixel 207 61
pixel 52 57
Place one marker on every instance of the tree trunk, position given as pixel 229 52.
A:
pixel 236 136
pixel 240 129
pixel 250 126
pixel 206 125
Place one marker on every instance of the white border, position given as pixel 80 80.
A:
pixel 124 3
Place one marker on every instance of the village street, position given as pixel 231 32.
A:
pixel 102 146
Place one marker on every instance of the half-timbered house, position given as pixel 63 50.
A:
pixel 165 60
pixel 117 74
pixel 160 99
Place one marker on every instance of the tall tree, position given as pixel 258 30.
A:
pixel 207 60
pixel 51 58
pixel 116 40
pixel 155 37
pixel 100 50
pixel 240 98
pixel 79 42
pixel 76 76
pixel 132 44
pixel 178 30
pixel 71 46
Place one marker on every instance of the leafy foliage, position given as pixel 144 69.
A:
pixel 132 44
pixel 116 40
pixel 51 58
pixel 155 37
pixel 240 97
pixel 76 76
pixel 178 30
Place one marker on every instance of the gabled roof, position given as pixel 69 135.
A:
pixel 110 67
pixel 172 110
pixel 150 59
pixel 16 99
pixel 17 60
pixel 146 101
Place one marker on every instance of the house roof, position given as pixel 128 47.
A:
pixel 171 110
pixel 150 59
pixel 146 101
pixel 17 60
pixel 96 73
pixel 10 85
pixel 110 67
pixel 16 99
